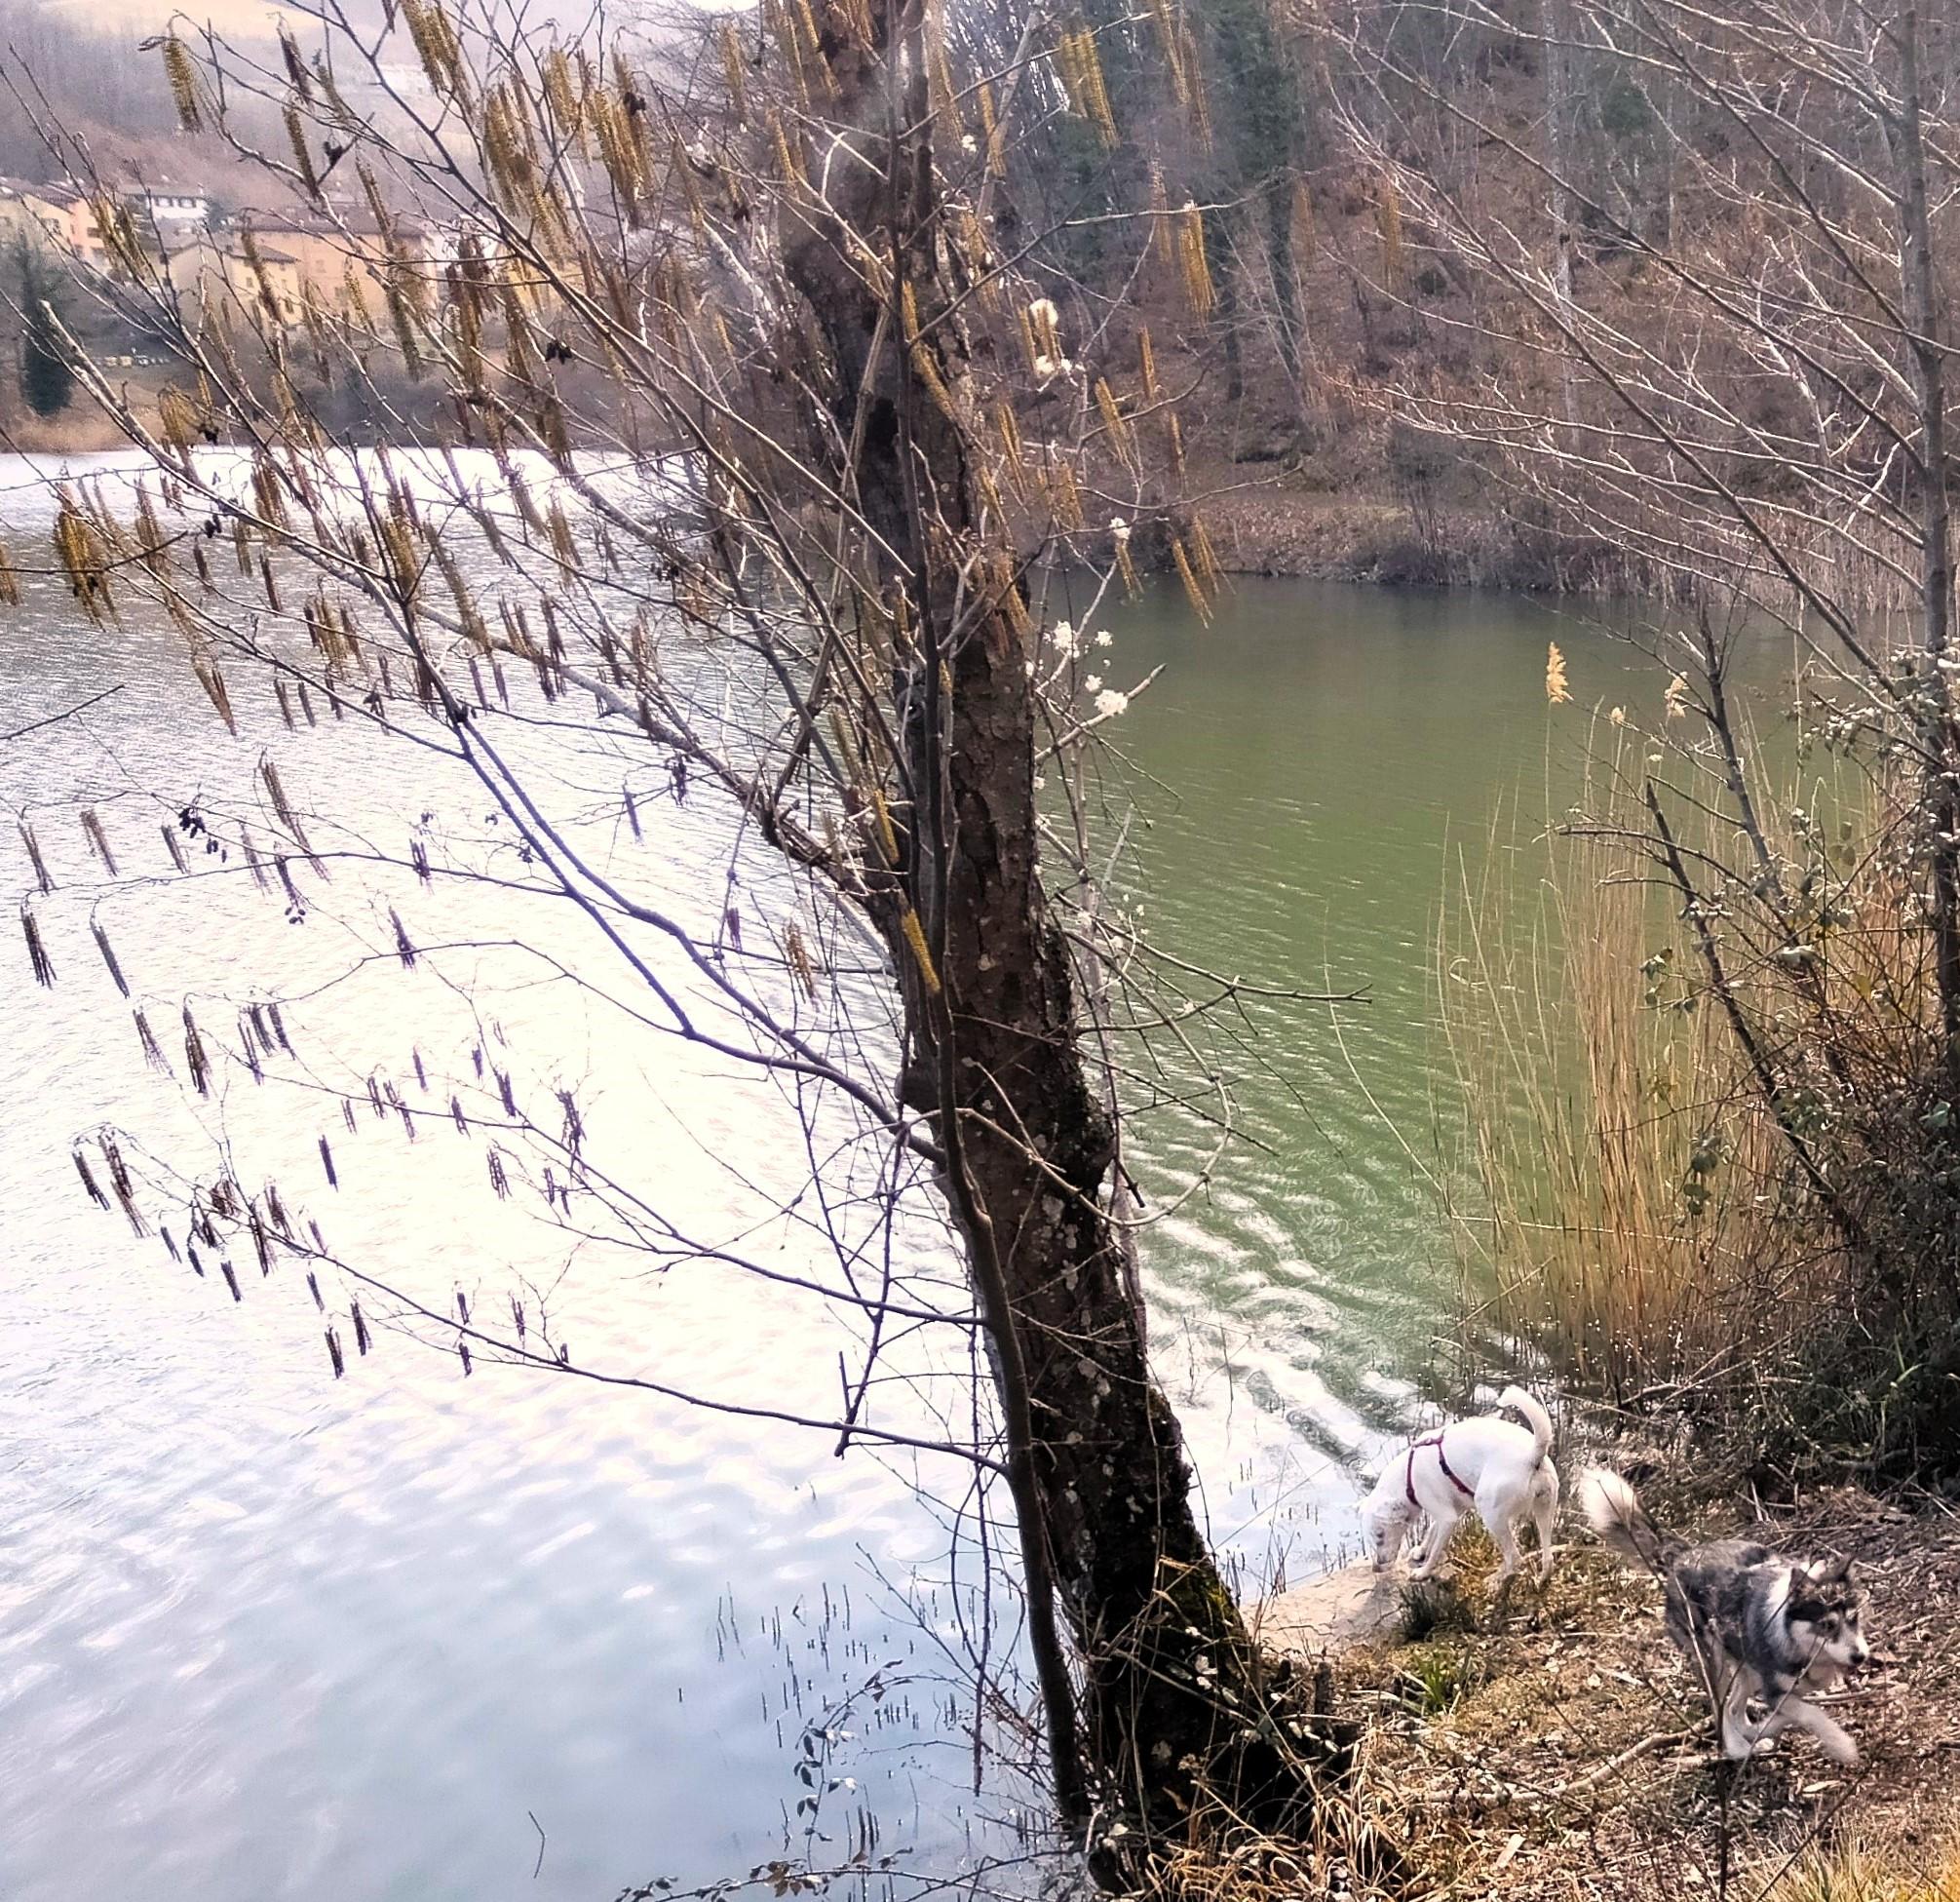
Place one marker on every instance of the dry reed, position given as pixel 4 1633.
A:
pixel 1629 1189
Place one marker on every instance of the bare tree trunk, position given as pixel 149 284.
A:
pixel 1923 315
pixel 1286 318
pixel 1224 229
pixel 1561 108
pixel 1095 1461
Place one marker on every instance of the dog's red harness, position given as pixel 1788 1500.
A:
pixel 1408 1478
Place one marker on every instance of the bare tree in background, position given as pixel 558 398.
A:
pixel 1743 390
pixel 731 322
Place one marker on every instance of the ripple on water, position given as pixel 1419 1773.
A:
pixel 262 1635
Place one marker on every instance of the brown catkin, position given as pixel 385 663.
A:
pixel 180 70
pixel 42 876
pixel 38 959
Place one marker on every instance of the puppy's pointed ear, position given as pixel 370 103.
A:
pixel 1830 1572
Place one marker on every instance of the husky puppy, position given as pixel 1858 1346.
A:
pixel 1503 1469
pixel 1751 1622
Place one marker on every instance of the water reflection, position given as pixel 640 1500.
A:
pixel 262 1634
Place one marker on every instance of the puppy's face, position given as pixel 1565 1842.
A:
pixel 1825 1612
pixel 1385 1517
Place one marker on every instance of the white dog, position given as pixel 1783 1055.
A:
pixel 1502 1470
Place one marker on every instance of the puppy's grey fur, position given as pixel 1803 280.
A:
pixel 1753 1623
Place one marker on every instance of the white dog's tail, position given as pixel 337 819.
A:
pixel 1527 1409
pixel 1614 1511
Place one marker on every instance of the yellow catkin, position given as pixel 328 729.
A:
pixel 1147 365
pixel 1080 69
pixel 149 530
pixel 436 43
pixel 731 71
pixel 1046 321
pixel 915 942
pixel 296 65
pixel 178 420
pixel 814 42
pixel 1199 290
pixel 117 233
pixel 402 314
pixel 1004 591
pixel 797 954
pixel 780 27
pixel 945 97
pixel 1200 106
pixel 618 152
pixel 83 558
pixel 1126 567
pixel 979 261
pixel 1174 443
pixel 996 145
pixel 1199 607
pixel 1163 234
pixel 302 157
pixel 1388 219
pixel 1205 557
pixel 1030 348
pixel 1170 43
pixel 1306 234
pixel 1557 691
pixel 562 544
pixel 1009 426
pixel 787 161
pixel 1112 420
pixel 1099 112
pixel 882 828
pixel 927 370
pixel 1064 494
pixel 566 96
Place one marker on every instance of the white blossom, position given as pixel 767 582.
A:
pixel 1102 639
pixel 1093 684
pixel 1109 703
pixel 1119 531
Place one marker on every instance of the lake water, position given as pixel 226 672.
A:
pixel 415 1635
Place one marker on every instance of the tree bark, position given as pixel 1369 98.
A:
pixel 1927 352
pixel 1173 1698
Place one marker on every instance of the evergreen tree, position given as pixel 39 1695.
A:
pixel 47 377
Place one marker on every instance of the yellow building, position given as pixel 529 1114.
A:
pixel 262 282
pixel 59 215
